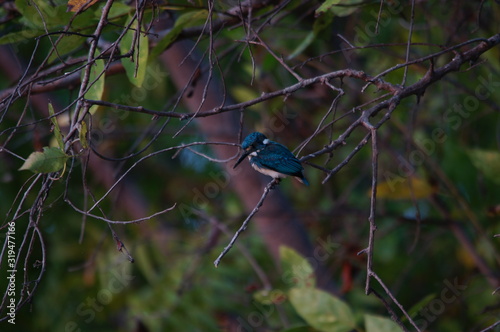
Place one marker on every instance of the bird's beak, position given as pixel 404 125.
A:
pixel 243 155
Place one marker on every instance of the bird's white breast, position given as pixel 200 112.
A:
pixel 268 172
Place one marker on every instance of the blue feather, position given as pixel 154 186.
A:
pixel 271 158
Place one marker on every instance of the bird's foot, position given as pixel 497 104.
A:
pixel 276 181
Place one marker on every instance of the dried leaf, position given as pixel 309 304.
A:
pixel 405 188
pixel 486 161
pixel 75 5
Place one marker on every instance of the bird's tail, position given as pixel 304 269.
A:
pixel 302 179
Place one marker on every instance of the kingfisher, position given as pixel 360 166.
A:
pixel 271 158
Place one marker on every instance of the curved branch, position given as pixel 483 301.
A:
pixel 244 225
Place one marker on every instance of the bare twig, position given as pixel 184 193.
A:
pixel 109 221
pixel 266 96
pixel 147 157
pixel 491 327
pixel 389 293
pixel 387 306
pixel 243 227
pixel 373 202
pixel 494 40
pixel 259 271
pixel 370 273
pixel 410 33
pixel 75 120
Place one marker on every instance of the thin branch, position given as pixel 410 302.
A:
pixel 388 292
pixel 373 202
pixel 491 327
pixel 75 119
pixel 215 160
pixel 490 42
pixel 149 156
pixel 354 151
pixel 370 273
pixel 378 17
pixel 387 306
pixel 332 108
pixel 109 221
pixel 265 96
pixel 243 227
pixel 259 271
pixel 279 59
pixel 410 33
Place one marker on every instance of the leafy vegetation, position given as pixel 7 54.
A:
pixel 119 129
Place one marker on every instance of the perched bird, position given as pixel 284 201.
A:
pixel 271 158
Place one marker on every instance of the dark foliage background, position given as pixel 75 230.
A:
pixel 145 175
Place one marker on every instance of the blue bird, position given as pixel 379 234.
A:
pixel 271 158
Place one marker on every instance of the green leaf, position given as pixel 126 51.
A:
pixel 117 10
pixel 339 7
pixel 321 22
pixel 82 134
pixel 145 263
pixel 30 16
pixel 96 89
pixel 487 162
pixel 141 52
pixel 86 20
pixel 297 271
pixel 52 159
pixel 322 310
pixel 67 44
pixel 57 130
pixel 298 328
pixel 20 36
pixel 269 297
pixel 420 304
pixel 380 324
pixel 243 93
pixel 303 45
pixel 186 20
pixel 39 14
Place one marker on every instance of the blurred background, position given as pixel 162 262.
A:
pixel 117 224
